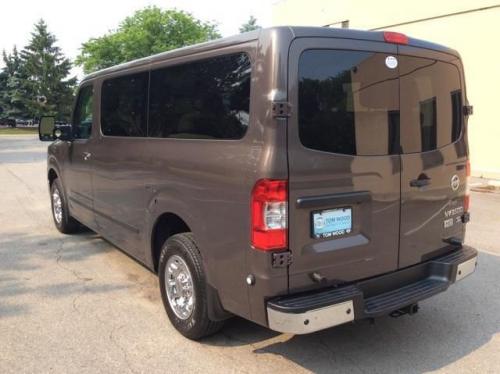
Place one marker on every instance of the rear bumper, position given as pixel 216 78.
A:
pixel 374 297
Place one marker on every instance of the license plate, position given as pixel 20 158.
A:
pixel 332 222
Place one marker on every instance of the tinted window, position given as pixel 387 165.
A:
pixel 82 118
pixel 348 102
pixel 124 105
pixel 393 146
pixel 431 104
pixel 207 99
pixel 457 115
pixel 428 124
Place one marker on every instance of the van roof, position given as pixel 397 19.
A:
pixel 291 32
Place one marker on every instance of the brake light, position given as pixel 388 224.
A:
pixel 467 187
pixel 269 208
pixel 395 37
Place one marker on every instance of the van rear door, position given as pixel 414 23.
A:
pixel 433 153
pixel 344 162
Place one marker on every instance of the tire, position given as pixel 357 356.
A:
pixel 181 250
pixel 64 222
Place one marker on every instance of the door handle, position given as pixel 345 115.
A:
pixel 421 181
pixel 86 155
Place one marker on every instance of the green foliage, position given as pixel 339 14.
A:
pixel 3 89
pixel 12 89
pixel 33 82
pixel 147 32
pixel 250 25
pixel 46 70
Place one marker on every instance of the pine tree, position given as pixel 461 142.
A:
pixel 46 89
pixel 12 90
pixel 250 25
pixel 3 88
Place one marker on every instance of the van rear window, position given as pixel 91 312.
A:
pixel 431 104
pixel 357 103
pixel 348 102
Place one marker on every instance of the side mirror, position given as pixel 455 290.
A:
pixel 63 132
pixel 46 129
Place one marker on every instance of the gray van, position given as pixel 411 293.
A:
pixel 298 177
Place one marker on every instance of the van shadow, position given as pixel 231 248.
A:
pixel 447 328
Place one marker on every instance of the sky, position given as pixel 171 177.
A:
pixel 74 22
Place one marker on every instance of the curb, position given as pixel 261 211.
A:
pixel 486 185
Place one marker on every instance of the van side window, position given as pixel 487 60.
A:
pixel 206 99
pixel 82 116
pixel 348 102
pixel 124 105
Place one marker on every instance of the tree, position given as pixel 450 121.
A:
pixel 44 69
pixel 3 87
pixel 250 25
pixel 12 87
pixel 146 32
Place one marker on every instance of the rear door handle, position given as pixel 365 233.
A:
pixel 420 182
pixel 86 155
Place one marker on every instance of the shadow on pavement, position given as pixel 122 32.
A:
pixel 24 259
pixel 21 251
pixel 447 328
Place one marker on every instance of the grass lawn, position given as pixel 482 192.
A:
pixel 18 130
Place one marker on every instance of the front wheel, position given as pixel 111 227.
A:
pixel 183 287
pixel 63 221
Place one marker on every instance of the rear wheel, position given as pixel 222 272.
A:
pixel 62 219
pixel 183 287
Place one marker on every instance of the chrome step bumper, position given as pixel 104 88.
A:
pixel 374 297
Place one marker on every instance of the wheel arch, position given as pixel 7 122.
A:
pixel 165 225
pixel 52 175
pixel 170 223
pixel 53 170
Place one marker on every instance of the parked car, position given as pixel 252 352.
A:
pixel 22 122
pixel 300 178
pixel 7 122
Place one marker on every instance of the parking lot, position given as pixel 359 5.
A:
pixel 76 304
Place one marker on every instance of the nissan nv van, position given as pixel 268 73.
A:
pixel 298 177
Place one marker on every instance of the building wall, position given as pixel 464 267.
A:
pixel 471 27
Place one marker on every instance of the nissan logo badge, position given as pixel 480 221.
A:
pixel 455 182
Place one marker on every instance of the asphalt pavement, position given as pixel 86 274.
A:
pixel 77 304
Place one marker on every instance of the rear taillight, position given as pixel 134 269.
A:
pixel 395 37
pixel 467 187
pixel 269 207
